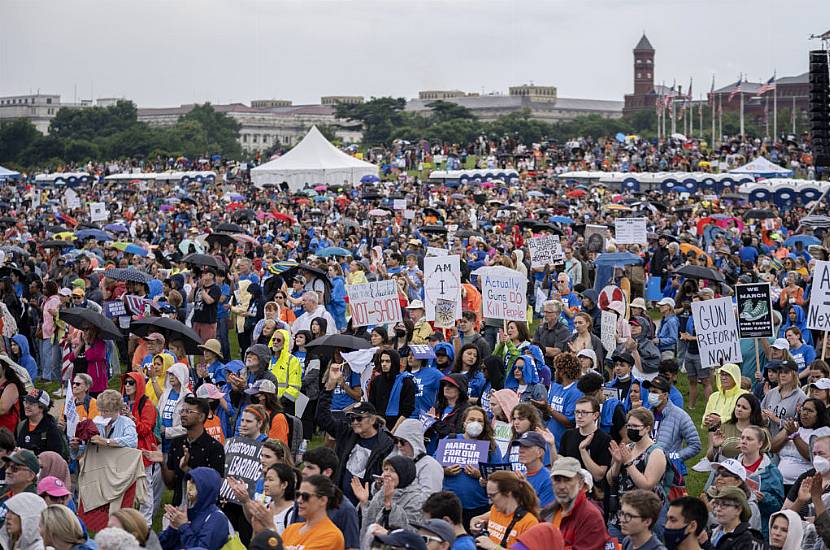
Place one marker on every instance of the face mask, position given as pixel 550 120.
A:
pixel 653 399
pixel 474 428
pixel 821 464
pixel 673 537
pixel 634 435
pixel 623 378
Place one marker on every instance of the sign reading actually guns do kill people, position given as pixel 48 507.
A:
pixel 462 451
pixel 545 250
pixel 504 294
pixel 374 303
pixel 717 332
pixel 630 231
pixel 754 310
pixel 442 281
pixel 242 463
pixel 818 314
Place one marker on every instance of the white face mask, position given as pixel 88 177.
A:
pixel 821 464
pixel 653 399
pixel 474 428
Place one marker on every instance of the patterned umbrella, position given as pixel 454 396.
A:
pixel 127 274
pixel 130 248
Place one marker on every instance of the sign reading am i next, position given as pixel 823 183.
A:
pixel 818 314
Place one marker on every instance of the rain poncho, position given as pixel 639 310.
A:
pixel 286 368
pixel 800 322
pixel 722 402
pixel 28 506
pixel 533 390
pixel 25 360
pixel 150 391
pixel 429 472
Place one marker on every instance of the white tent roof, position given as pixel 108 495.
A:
pixel 313 160
pixel 5 173
pixel 761 167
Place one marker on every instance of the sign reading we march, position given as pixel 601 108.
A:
pixel 818 314
pixel 716 329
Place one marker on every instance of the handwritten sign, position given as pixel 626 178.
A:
pixel 630 231
pixel 608 331
pixel 241 462
pixel 504 294
pixel 462 451
pixel 754 310
pixel 435 251
pixel 818 314
pixel 717 332
pixel 71 199
pixel 545 250
pixel 399 204
pixel 98 212
pixel 442 281
pixel 444 313
pixel 595 237
pixel 421 351
pixel 503 435
pixel 374 303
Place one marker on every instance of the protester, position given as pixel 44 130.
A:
pixel 40 432
pixel 203 524
pixel 638 515
pixel 316 496
pixel 409 442
pixel 514 510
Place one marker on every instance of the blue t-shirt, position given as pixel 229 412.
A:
pixel 339 398
pixel 167 416
pixel 221 311
pixel 542 485
pixel 803 356
pixel 427 380
pixel 464 542
pixel 468 489
pixel 562 400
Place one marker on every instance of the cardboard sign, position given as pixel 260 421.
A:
pixel 608 331
pixel 595 237
pixel 241 462
pixel 71 199
pixel 98 212
pixel 444 313
pixel 433 251
pixel 630 231
pixel 399 204
pixel 717 332
pixel 462 451
pixel 504 294
pixel 409 214
pixel 545 250
pixel 818 314
pixel 442 281
pixel 611 393
pixel 503 435
pixel 374 303
pixel 754 310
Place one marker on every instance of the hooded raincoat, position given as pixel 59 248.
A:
pixel 794 530
pixel 429 473
pixel 207 526
pixel 149 389
pixel 533 389
pixel 25 360
pixel 28 506
pixel 181 372
pixel 722 402
pixel 145 414
pixel 407 500
pixel 286 368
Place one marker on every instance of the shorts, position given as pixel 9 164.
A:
pixel 694 369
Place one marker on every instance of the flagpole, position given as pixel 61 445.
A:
pixel 766 116
pixel 775 113
pixel 742 115
pixel 720 116
pixel 793 114
pixel 663 110
pixel 700 113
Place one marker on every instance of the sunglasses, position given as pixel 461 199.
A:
pixel 305 497
pixel 129 382
pixel 76 383
pixel 355 417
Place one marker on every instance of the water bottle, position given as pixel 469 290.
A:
pixel 301 452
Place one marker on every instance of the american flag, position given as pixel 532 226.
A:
pixel 135 304
pixel 712 92
pixel 689 90
pixel 736 91
pixel 769 85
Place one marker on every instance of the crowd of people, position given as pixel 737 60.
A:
pixel 188 373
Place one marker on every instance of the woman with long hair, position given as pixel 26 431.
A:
pixel 468 363
pixel 317 495
pixel 512 343
pixel 89 356
pixel 12 391
pixel 391 391
pixel 725 441
pixel 754 457
pixel 514 510
pixel 493 372
pixel 584 338
pixel 61 529
pixel 792 443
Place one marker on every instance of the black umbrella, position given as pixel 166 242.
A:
pixel 82 318
pixel 244 214
pixel 56 229
pixel 699 272
pixel 371 196
pixel 289 273
pixel 229 228
pixel 8 220
pixel 528 223
pixel 204 260
pixel 87 225
pixel 223 239
pixel 9 268
pixel 466 233
pixel 171 329
pixel 340 341
pixel 436 229
pixel 758 214
pixel 128 274
pixel 56 244
pixel 544 226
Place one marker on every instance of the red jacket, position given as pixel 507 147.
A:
pixel 145 414
pixel 583 528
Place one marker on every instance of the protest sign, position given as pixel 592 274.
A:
pixel 421 351
pixel 444 313
pixel 630 231
pixel 374 303
pixel 504 293
pixel 611 393
pixel 442 280
pixel 596 237
pixel 818 314
pixel 433 251
pixel 608 331
pixel 545 250
pixel 487 468
pixel 503 435
pixel 399 204
pixel 409 214
pixel 70 412
pixel 427 420
pixel 754 310
pixel 462 451
pixel 71 199
pixel 242 463
pixel 717 332
pixel 98 212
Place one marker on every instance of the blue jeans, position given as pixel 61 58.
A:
pixel 50 358
pixel 222 336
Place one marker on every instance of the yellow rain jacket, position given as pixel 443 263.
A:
pixel 286 368
pixel 149 390
pixel 722 402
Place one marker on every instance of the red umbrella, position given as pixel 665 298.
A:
pixel 279 216
pixel 575 194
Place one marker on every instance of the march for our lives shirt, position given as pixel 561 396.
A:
pixel 427 380
pixel 339 398
pixel 803 356
pixel 167 415
pixel 563 400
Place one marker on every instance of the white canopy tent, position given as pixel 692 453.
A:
pixel 314 160
pixel 762 168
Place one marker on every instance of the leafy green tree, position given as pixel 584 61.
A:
pixel 15 137
pixel 379 117
pixel 519 126
pixel 443 111
pixel 220 132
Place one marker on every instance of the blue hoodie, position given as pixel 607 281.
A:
pixel 534 390
pixel 207 526
pixel 450 355
pixel 800 322
pixel 26 360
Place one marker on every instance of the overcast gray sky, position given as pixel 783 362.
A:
pixel 164 53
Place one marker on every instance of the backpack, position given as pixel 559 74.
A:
pixel 157 428
pixel 295 435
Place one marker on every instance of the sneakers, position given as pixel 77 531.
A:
pixel 750 313
pixel 703 466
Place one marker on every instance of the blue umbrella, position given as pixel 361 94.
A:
pixel 535 194
pixel 369 178
pixel 561 219
pixel 333 251
pixel 116 228
pixel 96 234
pixel 805 240
pixel 617 259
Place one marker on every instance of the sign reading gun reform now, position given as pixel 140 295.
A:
pixel 717 332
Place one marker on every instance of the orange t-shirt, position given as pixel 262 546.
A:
pixel 498 524
pixel 279 429
pixel 213 426
pixel 323 536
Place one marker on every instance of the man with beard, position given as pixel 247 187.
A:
pixel 579 520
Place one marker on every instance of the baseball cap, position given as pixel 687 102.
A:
pixel 566 466
pixel 261 386
pixel 732 466
pixel 401 538
pixel 530 439
pixel 659 383
pixel 155 336
pixel 78 292
pixel 821 384
pixel 65 292
pixel 40 397
pixel 623 356
pixel 781 343
pixel 361 407
pixel 788 364
pixel 737 495
pixel 439 528
pixel 209 391
pixel 667 302
pixel 634 322
pixel 26 458
pixel 266 540
pixel 52 486
pixel 415 304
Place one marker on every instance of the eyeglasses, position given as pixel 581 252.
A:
pixel 583 413
pixel 77 383
pixel 428 539
pixel 305 497
pixel 128 382
pixel 625 517
pixel 491 496
pixel 725 504
pixel 189 411
pixel 632 427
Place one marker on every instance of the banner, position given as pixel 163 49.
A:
pixel 818 314
pixel 717 332
pixel 545 250
pixel 242 463
pixel 462 451
pixel 504 294
pixel 374 303
pixel 71 199
pixel 608 331
pixel 754 310
pixel 399 204
pixel 442 281
pixel 630 231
